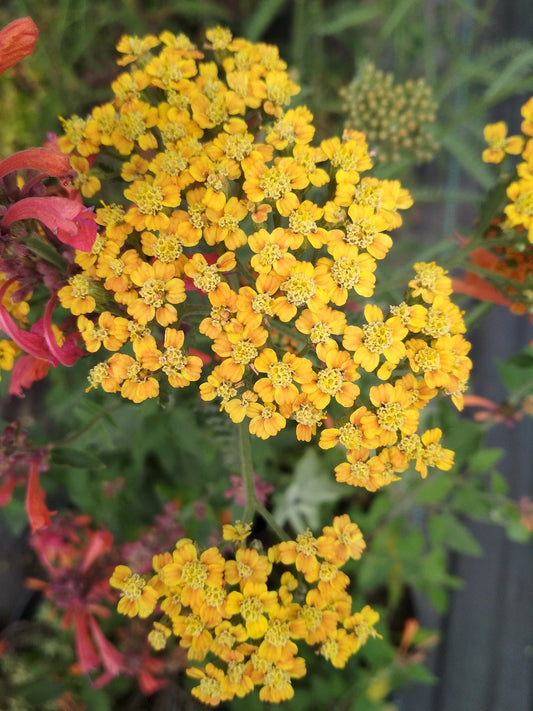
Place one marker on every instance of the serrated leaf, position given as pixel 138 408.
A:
pixel 446 530
pixel 469 159
pixel 311 487
pixel 76 458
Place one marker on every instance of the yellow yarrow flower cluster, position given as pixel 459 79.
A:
pixel 239 237
pixel 229 614
pixel 519 210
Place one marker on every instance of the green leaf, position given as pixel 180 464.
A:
pixel 76 458
pixel 483 460
pixel 446 530
pixel 513 70
pixel 435 488
pixel 350 17
pixel 261 19
pixel 311 487
pixel 469 158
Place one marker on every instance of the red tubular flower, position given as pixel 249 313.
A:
pixel 45 160
pixel 17 40
pixel 38 513
pixel 68 219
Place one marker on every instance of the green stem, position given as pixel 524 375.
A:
pixel 268 518
pixel 252 505
pixel 247 473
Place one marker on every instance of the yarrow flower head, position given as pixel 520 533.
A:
pixel 237 618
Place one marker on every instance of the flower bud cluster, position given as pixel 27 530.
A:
pixel 396 118
pixel 244 618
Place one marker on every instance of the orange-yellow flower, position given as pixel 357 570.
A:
pixel 335 380
pixel 136 597
pixel 252 604
pixel 379 337
pixel 157 290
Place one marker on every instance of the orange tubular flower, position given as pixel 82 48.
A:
pixel 17 40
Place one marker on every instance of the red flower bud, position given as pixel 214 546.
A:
pixel 17 40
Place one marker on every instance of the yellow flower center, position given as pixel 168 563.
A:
pixel 173 162
pixel 149 199
pixel 277 678
pixel 157 640
pixel 74 128
pixel 359 472
pixel 301 222
pixel 251 608
pixel 153 292
pixel 312 617
pixel 228 222
pixel 262 304
pixel 433 454
pixel 275 183
pixel 320 333
pixel 80 286
pixel 361 233
pixel 173 361
pixel 308 415
pixel 346 272
pixel 270 254
pixel 116 267
pixel 437 323
pixel 97 374
pixel 209 688
pixel 196 216
pixel 368 195
pixel 299 289
pixel 306 544
pixel 244 352
pixel 236 671
pixel 280 375
pixel 217 112
pixel 194 626
pixel 344 158
pixel 226 390
pixel 524 203
pixel 377 336
pixel 277 633
pixel 243 570
pixel 238 146
pixel 194 574
pixel 329 649
pixel 330 380
pixel 172 132
pixel 214 597
pixel 132 125
pixel 427 359
pixel 350 436
pixel 391 416
pixel 411 446
pixel 168 248
pixel 207 279
pixel 327 572
pixel 133 587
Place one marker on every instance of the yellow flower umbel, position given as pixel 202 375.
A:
pixel 229 210
pixel 239 618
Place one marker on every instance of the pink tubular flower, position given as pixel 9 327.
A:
pixel 17 40
pixel 69 220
